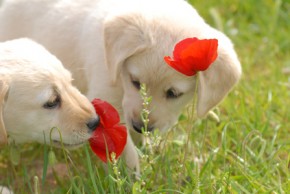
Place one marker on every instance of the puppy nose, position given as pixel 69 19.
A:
pixel 139 125
pixel 92 124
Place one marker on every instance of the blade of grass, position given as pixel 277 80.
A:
pixel 75 188
pixel 91 172
pixel 99 181
pixel 45 164
pixel 26 178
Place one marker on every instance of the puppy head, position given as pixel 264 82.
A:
pixel 135 48
pixel 170 92
pixel 41 97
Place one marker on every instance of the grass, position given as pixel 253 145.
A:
pixel 247 152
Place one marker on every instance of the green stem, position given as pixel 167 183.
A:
pixel 191 118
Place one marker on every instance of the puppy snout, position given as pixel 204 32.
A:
pixel 92 124
pixel 139 125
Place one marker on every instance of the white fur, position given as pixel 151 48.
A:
pixel 29 78
pixel 107 43
pixel 5 190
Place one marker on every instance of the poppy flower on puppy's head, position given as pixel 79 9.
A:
pixel 109 136
pixel 192 55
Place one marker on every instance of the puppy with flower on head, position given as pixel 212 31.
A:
pixel 113 46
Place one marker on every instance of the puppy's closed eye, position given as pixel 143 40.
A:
pixel 172 94
pixel 136 83
pixel 53 103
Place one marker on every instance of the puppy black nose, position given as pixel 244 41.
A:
pixel 138 127
pixel 92 124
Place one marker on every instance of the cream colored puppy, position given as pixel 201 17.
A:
pixel 36 95
pixel 112 46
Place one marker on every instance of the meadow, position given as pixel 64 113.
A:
pixel 247 151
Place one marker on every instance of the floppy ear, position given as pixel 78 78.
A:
pixel 217 81
pixel 124 36
pixel 3 91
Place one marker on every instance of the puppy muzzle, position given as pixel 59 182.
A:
pixel 93 124
pixel 140 128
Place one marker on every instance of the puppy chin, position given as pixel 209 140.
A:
pixel 130 126
pixel 66 141
pixel 69 146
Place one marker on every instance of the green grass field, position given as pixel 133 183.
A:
pixel 247 152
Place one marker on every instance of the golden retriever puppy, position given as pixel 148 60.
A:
pixel 36 95
pixel 112 46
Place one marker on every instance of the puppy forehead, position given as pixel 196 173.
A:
pixel 49 63
pixel 148 65
pixel 160 75
pixel 35 57
pixel 50 72
pixel 46 93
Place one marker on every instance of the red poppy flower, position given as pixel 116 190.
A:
pixel 192 55
pixel 109 136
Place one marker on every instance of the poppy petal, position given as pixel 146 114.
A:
pixel 176 65
pixel 108 141
pixel 205 52
pixel 181 46
pixel 109 136
pixel 192 55
pixel 99 143
pixel 108 114
pixel 118 135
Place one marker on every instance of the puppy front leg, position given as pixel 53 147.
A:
pixel 131 156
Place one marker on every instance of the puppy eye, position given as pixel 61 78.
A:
pixel 136 84
pixel 172 94
pixel 55 103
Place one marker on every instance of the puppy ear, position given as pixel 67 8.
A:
pixel 216 82
pixel 3 91
pixel 124 36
